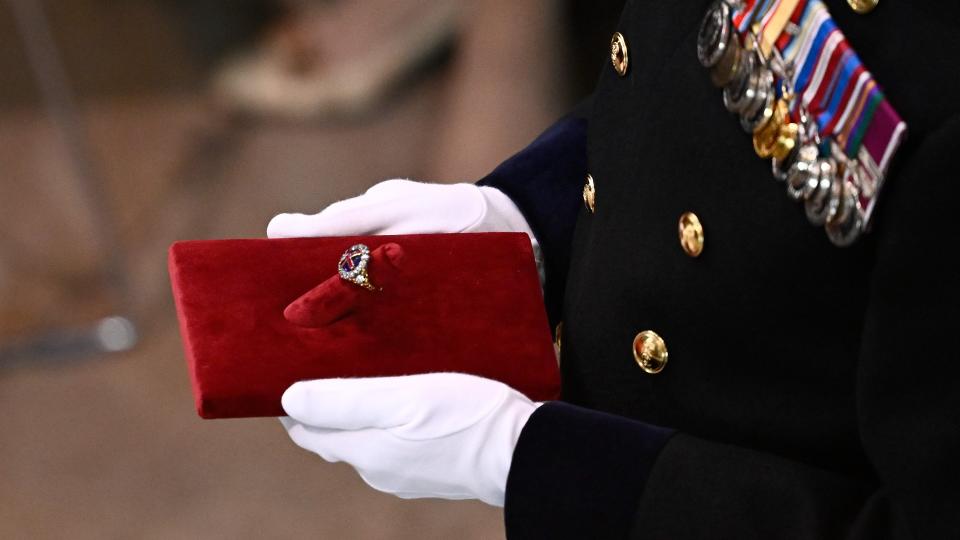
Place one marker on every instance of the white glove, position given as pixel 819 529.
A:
pixel 407 207
pixel 445 435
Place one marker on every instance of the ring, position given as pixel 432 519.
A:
pixel 353 266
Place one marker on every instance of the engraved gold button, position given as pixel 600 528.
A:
pixel 650 352
pixel 618 54
pixel 862 6
pixel 589 194
pixel 691 234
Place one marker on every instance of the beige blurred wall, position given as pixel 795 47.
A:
pixel 109 446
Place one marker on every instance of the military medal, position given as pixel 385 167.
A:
pixel 809 104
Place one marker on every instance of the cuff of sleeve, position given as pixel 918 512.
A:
pixel 578 473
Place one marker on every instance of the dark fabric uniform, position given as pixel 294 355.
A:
pixel 811 391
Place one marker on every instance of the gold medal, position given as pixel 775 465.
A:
pixel 786 140
pixel 766 136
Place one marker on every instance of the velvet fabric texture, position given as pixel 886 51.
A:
pixel 257 315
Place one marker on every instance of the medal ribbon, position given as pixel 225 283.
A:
pixel 830 83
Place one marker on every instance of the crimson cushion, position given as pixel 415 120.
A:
pixel 257 315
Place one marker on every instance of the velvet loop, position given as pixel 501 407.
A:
pixel 336 298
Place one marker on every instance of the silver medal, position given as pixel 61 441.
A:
pixel 848 225
pixel 803 171
pixel 823 200
pixel 715 34
pixel 760 108
pixel 743 84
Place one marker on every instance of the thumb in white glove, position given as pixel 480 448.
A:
pixel 407 207
pixel 445 435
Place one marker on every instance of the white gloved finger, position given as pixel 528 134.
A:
pixel 338 219
pixel 392 186
pixel 360 448
pixel 355 216
pixel 385 462
pixel 447 435
pixel 418 208
pixel 287 422
pixel 305 438
pixel 404 404
pixel 391 207
pixel 351 404
pixel 407 207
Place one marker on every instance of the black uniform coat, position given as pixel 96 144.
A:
pixel 811 391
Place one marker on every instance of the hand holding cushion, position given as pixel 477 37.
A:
pixel 407 207
pixel 445 435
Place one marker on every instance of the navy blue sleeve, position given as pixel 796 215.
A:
pixel 545 180
pixel 578 473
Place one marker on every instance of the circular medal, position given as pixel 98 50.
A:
pixel 715 34
pixel 803 171
pixel 740 91
pixel 763 114
pixel 823 199
pixel 765 138
pixel 848 225
pixel 787 139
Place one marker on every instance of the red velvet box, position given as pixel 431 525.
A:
pixel 257 315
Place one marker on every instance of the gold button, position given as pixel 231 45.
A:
pixel 589 194
pixel 691 234
pixel 650 352
pixel 863 6
pixel 618 54
pixel 559 335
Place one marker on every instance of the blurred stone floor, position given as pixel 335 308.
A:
pixel 110 447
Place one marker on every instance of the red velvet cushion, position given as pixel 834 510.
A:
pixel 259 315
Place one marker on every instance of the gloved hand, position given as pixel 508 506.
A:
pixel 445 435
pixel 407 207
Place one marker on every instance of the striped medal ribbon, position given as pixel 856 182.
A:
pixel 827 92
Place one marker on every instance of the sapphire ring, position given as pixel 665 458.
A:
pixel 353 266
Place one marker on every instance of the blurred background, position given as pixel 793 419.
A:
pixel 128 124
